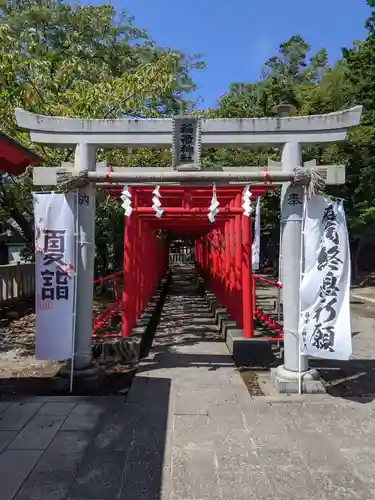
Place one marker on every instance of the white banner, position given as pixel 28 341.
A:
pixel 54 274
pixel 324 329
pixel 256 242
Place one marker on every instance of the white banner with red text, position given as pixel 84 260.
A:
pixel 55 275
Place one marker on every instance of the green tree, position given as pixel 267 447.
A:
pixel 360 149
pixel 314 87
pixel 83 61
pixel 286 78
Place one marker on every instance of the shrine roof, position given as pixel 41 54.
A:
pixel 15 158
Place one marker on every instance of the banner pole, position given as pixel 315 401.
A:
pixel 255 247
pixel 302 270
pixel 74 318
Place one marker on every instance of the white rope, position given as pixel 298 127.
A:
pixel 310 178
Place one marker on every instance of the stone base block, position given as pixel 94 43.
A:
pixel 89 372
pixel 287 382
pixel 84 380
pixel 224 322
pixel 147 323
pixel 225 326
pixel 219 312
pixel 278 306
pixel 118 350
pixel 253 352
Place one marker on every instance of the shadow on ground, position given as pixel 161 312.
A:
pixel 126 457
pixel 353 379
pixel 106 448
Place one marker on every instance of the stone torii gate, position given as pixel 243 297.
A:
pixel 187 135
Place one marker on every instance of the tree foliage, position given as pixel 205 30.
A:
pixel 314 87
pixel 90 61
pixel 83 61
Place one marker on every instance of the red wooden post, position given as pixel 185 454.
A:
pixel 213 260
pixel 238 264
pixel 207 256
pixel 227 257
pixel 254 292
pixel 200 247
pixel 152 254
pixel 247 279
pixel 147 265
pixel 219 263
pixel 149 270
pixel 223 247
pixel 211 269
pixel 203 250
pixel 232 271
pixel 138 259
pixel 127 301
pixel 204 259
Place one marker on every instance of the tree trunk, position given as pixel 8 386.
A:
pixel 25 225
pixel 8 204
pixel 356 260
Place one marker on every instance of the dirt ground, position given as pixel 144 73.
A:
pixel 19 368
pixel 21 373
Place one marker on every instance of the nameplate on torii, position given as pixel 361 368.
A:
pixel 186 143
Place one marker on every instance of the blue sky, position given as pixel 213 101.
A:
pixel 236 37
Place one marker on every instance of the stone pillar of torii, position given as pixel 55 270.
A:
pixel 187 135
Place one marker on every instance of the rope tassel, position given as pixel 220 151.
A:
pixel 156 202
pixel 213 209
pixel 127 202
pixel 310 178
pixel 247 201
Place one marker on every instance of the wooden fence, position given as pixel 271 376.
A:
pixel 180 258
pixel 17 283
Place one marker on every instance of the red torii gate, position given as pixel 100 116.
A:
pixel 222 249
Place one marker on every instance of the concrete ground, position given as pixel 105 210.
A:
pixel 189 430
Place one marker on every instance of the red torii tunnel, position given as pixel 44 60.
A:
pixel 222 249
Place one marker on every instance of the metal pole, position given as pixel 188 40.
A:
pixel 76 255
pixel 85 158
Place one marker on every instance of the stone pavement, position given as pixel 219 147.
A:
pixel 188 430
